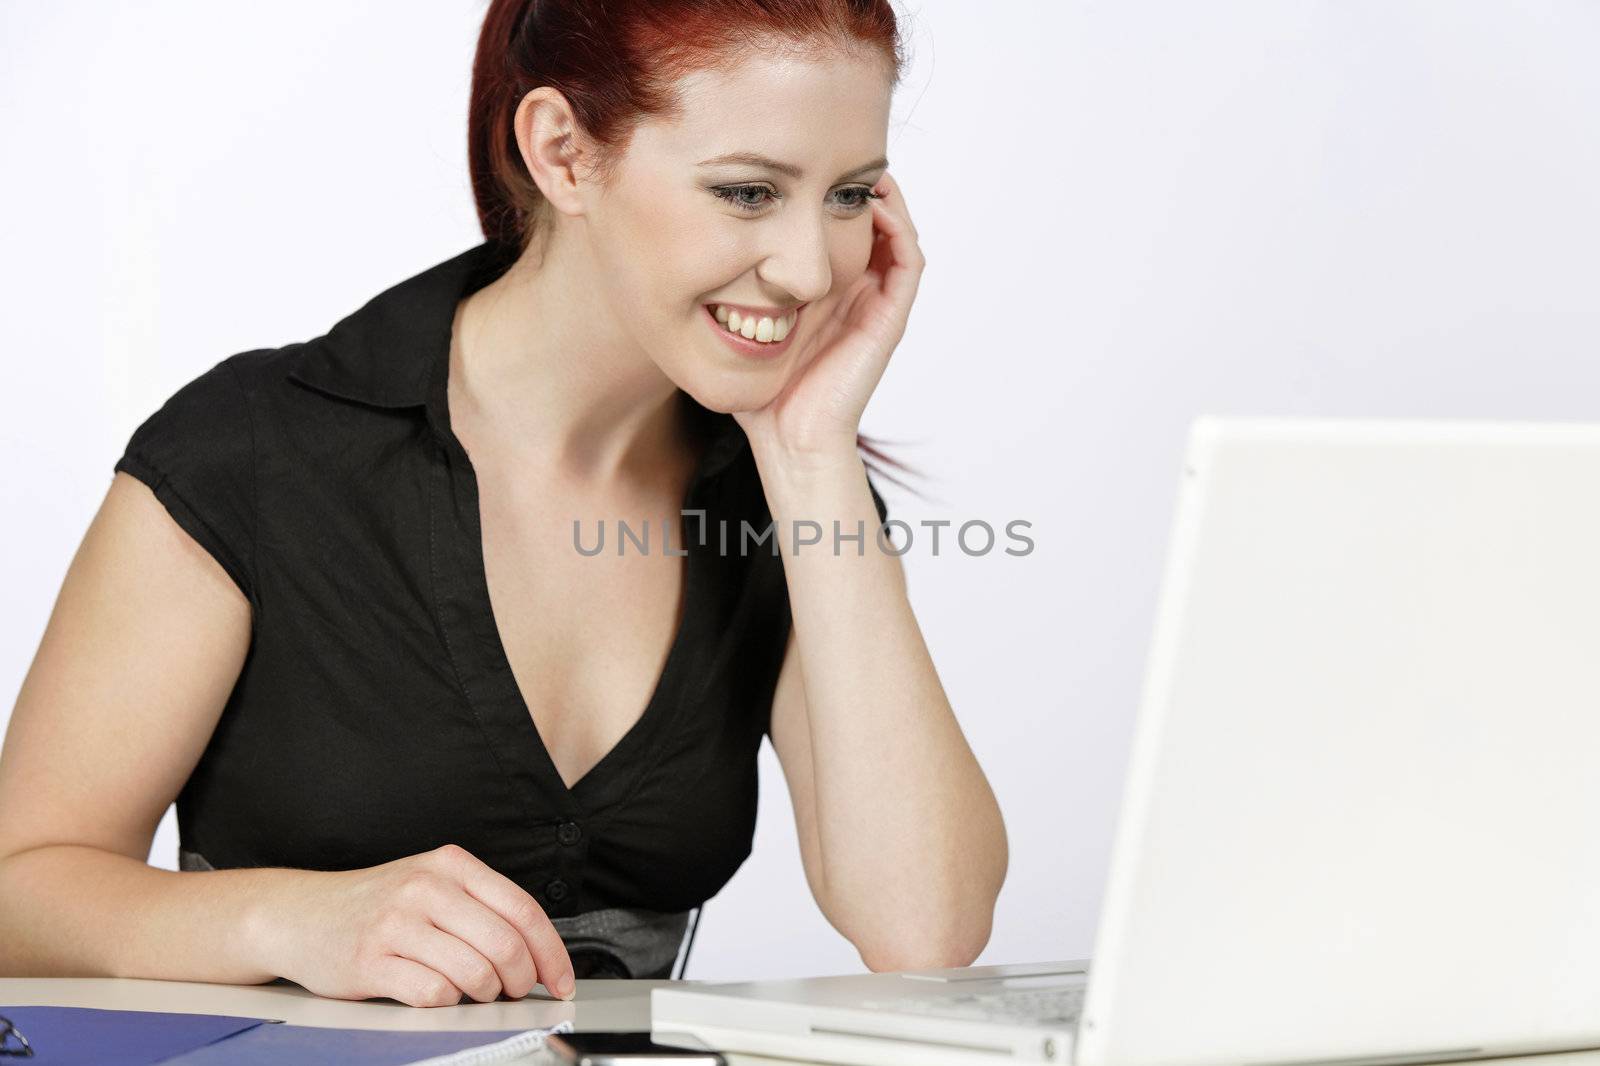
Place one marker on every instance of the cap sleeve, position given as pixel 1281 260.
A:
pixel 197 455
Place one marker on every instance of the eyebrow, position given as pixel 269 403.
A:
pixel 755 159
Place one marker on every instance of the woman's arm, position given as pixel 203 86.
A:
pixel 900 833
pixel 141 652
pixel 901 837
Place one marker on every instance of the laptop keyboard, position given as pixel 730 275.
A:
pixel 1027 1006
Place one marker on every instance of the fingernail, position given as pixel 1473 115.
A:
pixel 564 986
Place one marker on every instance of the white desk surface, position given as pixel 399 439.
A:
pixel 598 1005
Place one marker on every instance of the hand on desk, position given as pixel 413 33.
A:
pixel 424 930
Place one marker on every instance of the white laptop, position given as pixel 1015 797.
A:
pixel 1362 816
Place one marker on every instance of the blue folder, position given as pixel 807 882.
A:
pixel 87 1036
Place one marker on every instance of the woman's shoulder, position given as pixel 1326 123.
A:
pixel 209 419
pixel 196 453
pixel 198 449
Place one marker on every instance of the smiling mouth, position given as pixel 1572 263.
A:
pixel 757 329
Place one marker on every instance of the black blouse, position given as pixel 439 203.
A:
pixel 376 715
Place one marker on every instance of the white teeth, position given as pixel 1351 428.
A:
pixel 764 329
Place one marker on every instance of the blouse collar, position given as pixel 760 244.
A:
pixel 389 351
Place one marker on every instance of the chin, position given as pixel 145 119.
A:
pixel 724 391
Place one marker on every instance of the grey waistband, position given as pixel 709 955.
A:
pixel 616 942
pixel 192 860
pixel 644 943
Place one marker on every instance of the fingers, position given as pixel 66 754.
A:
pixel 521 911
pixel 894 219
pixel 901 267
pixel 413 983
pixel 468 919
pixel 455 959
pixel 895 200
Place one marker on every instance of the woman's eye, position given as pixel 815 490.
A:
pixel 752 198
pixel 863 195
pixel 739 196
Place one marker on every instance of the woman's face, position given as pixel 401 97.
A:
pixel 675 232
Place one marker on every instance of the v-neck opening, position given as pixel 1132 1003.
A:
pixel 590 790
pixel 478 649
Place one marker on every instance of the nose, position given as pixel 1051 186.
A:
pixel 797 259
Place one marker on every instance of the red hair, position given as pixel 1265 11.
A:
pixel 616 63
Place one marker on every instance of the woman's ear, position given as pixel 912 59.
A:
pixel 552 147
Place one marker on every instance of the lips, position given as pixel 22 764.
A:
pixel 719 316
pixel 759 324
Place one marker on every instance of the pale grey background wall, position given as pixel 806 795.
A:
pixel 1133 212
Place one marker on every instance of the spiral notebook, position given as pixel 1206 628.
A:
pixel 274 1045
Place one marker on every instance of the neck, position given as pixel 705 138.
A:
pixel 536 366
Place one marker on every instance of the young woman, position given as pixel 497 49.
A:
pixel 342 601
